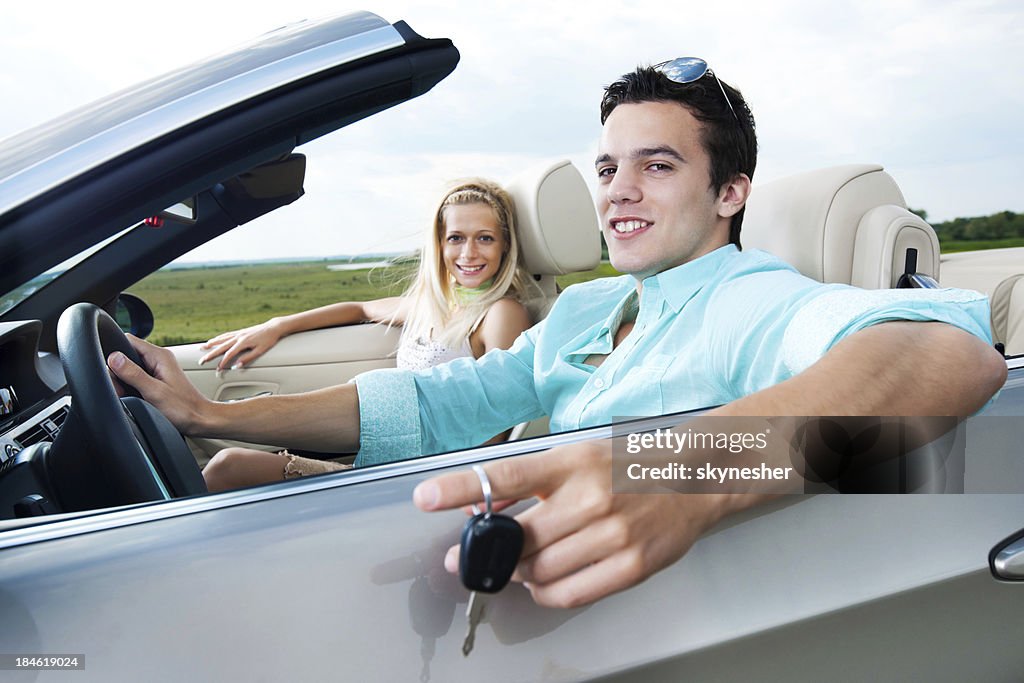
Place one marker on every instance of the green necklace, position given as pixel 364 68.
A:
pixel 467 295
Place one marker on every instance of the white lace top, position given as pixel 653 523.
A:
pixel 420 354
pixel 417 354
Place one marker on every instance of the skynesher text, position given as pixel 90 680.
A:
pixel 707 472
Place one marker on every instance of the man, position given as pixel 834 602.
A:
pixel 695 323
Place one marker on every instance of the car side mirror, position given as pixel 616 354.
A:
pixel 133 315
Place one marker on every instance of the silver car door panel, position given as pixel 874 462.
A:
pixel 300 587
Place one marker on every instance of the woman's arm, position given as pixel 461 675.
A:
pixel 240 347
pixel 505 320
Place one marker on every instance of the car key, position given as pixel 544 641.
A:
pixel 491 546
pixel 490 550
pixel 474 613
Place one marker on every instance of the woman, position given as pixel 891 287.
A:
pixel 467 299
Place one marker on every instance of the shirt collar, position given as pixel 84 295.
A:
pixel 678 285
pixel 601 340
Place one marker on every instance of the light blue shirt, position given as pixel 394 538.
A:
pixel 708 332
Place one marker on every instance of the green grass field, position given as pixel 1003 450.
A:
pixel 194 304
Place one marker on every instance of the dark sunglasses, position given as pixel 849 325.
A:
pixel 688 70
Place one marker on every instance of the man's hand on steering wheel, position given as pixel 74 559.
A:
pixel 165 385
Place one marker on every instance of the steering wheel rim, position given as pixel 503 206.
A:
pixel 86 335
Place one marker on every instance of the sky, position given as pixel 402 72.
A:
pixel 933 91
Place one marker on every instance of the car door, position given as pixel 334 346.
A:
pixel 302 362
pixel 339 576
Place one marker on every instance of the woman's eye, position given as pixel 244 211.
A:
pixel 486 238
pixel 454 238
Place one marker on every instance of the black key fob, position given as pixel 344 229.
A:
pixel 491 546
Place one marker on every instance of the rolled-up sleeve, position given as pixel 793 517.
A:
pixel 389 426
pixel 841 311
pixel 454 405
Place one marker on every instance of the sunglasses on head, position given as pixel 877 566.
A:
pixel 688 70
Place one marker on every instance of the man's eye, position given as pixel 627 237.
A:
pixel 659 167
pixel 606 172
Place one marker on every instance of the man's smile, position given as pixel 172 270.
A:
pixel 627 226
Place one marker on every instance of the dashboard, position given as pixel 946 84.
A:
pixel 34 406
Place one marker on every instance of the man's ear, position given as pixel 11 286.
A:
pixel 733 195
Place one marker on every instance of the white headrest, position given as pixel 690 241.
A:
pixel 843 224
pixel 557 221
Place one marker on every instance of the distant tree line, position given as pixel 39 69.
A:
pixel 1003 225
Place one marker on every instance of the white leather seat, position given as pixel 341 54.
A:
pixel 558 234
pixel 844 224
pixel 1008 314
pixel 558 227
pixel 996 272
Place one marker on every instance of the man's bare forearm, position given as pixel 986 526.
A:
pixel 325 420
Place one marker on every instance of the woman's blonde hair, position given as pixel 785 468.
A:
pixel 435 311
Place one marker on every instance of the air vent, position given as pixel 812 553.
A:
pixel 58 418
pixel 33 435
pixel 44 428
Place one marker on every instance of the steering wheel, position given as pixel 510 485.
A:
pixel 131 453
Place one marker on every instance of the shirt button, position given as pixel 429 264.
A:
pixel 599 383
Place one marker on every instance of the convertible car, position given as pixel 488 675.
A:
pixel 113 554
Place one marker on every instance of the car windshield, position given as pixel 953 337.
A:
pixel 20 293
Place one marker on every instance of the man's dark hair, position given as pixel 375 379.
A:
pixel 731 144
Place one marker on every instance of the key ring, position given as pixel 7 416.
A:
pixel 485 484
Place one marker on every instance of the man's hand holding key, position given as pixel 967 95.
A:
pixel 582 542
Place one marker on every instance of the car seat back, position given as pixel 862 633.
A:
pixel 558 233
pixel 558 228
pixel 995 272
pixel 1008 314
pixel 845 224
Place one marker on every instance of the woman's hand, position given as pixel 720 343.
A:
pixel 240 347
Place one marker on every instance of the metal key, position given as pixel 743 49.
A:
pixel 474 613
pixel 490 550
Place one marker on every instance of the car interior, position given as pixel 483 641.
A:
pixel 558 233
